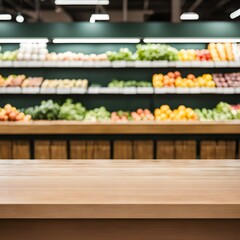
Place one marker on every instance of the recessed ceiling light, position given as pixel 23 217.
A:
pixel 96 40
pixel 99 17
pixel 235 14
pixel 189 40
pixel 82 2
pixel 20 18
pixel 5 17
pixel 189 16
pixel 24 40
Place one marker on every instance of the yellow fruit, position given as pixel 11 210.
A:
pixel 164 108
pixel 178 82
pixel 157 112
pixel 210 84
pixel 191 114
pixel 168 112
pixel 181 108
pixel 190 83
pixel 172 116
pixel 163 116
pixel 196 84
pixel 181 113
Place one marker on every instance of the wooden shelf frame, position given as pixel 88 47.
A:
pixel 149 127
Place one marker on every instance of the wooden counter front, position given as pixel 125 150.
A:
pixel 120 200
pixel 120 189
pixel 148 127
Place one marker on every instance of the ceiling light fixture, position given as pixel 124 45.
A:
pixel 20 18
pixel 190 40
pixel 96 40
pixel 99 17
pixel 5 17
pixel 189 16
pixel 82 2
pixel 235 14
pixel 24 40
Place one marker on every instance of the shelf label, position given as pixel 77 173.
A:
pixel 119 64
pixel 93 90
pixel 13 90
pixel 182 90
pixel 107 90
pixel 76 90
pixel 48 90
pixel 2 90
pixel 6 63
pixel 63 90
pixel 30 90
pixel 145 90
pixel 160 90
pixel 129 90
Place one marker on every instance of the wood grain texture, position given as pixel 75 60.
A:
pixel 208 149
pixel 218 149
pixel 101 150
pixel 90 149
pixel 165 150
pixel 119 229
pixel 120 189
pixel 42 149
pixel 185 149
pixel 78 149
pixel 74 127
pixel 58 149
pixel 143 149
pixel 5 149
pixel 122 149
pixel 20 149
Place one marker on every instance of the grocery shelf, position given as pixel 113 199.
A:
pixel 118 64
pixel 126 90
pixel 146 127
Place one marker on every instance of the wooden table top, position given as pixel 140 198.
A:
pixel 98 189
pixel 144 127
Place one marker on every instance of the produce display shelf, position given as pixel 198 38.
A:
pixel 146 127
pixel 131 90
pixel 119 64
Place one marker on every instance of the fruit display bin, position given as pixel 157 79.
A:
pixel 146 140
pixel 131 140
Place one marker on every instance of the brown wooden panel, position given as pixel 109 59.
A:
pixel 239 150
pixel 165 150
pixel 208 149
pixel 143 149
pixel 78 149
pixel 42 149
pixel 123 150
pixel 221 149
pixel 21 149
pixel 101 150
pixel 120 229
pixel 5 150
pixel 231 147
pixel 58 149
pixel 90 150
pixel 185 149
